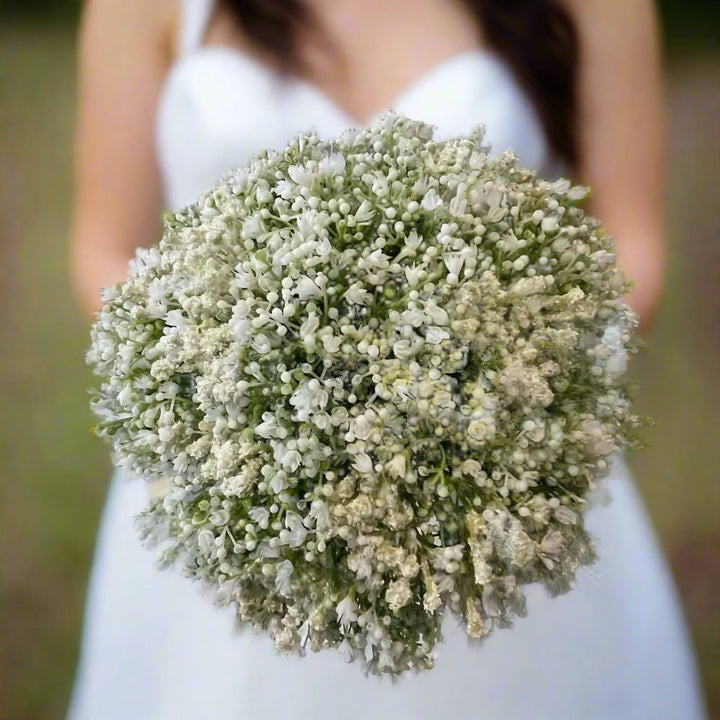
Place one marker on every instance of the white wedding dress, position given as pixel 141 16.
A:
pixel 154 648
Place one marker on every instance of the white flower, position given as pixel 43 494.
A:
pixel 413 317
pixel 331 343
pixel 124 397
pixel 304 633
pixel 252 227
pixel 269 427
pixel 320 511
pixel 413 273
pixel 308 399
pixel 405 348
pixel 471 467
pixel 286 189
pixel 296 532
pixel 306 288
pixel 363 463
pixel 301 175
pixel 481 428
pixel 260 515
pixel 333 164
pixel 413 240
pixel 435 335
pixel 206 541
pixel 565 515
pixel 357 294
pixel 346 611
pixel 446 558
pixel 528 286
pixel 261 344
pixel 283 572
pixel 477 160
pixel 376 260
pixel 308 328
pixel 431 200
pixel 307 224
pixel 242 329
pixel 175 318
pixel 453 262
pixel 360 565
pixel 398 594
pixel 288 458
pixel 397 466
pixel 510 242
pixel 599 440
pixel 364 213
pixel 346 650
pixel 435 314
pixel 238 178
pixel 362 426
pixel 552 543
pixel 431 597
pixel 279 481
pixel 617 356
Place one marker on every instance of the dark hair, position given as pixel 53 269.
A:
pixel 536 37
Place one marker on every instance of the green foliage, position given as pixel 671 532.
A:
pixel 41 9
pixel 690 24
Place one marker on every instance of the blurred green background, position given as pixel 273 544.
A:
pixel 54 474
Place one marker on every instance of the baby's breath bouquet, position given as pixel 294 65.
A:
pixel 379 377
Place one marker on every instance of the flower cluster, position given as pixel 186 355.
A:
pixel 379 376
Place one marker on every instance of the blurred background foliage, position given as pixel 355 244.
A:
pixel 54 474
pixel 686 21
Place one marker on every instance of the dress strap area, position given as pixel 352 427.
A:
pixel 194 21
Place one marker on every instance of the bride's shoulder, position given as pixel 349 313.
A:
pixel 138 25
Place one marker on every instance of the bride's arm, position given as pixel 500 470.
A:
pixel 622 137
pixel 124 52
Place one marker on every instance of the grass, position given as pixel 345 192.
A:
pixel 53 473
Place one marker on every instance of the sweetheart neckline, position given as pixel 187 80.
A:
pixel 486 56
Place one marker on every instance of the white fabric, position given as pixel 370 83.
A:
pixel 154 649
pixel 194 19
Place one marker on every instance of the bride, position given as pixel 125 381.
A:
pixel 173 93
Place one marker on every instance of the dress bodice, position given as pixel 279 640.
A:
pixel 218 107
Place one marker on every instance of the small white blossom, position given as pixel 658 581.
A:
pixel 283 572
pixel 308 399
pixel 431 200
pixel 397 466
pixel 363 463
pixel 435 335
pixel 332 165
pixel 306 289
pixel 301 175
pixel 413 274
pixel 295 533
pixel 398 594
pixel 528 286
pixel 357 294
pixel 346 611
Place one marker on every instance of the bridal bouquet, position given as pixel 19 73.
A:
pixel 379 377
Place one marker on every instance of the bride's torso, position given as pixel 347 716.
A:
pixel 219 105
